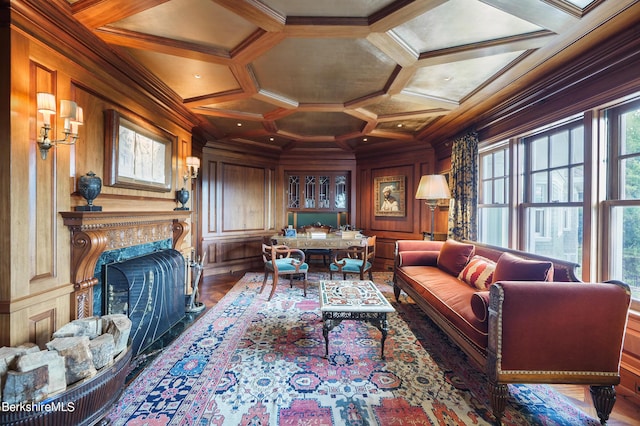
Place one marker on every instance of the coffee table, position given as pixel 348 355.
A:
pixel 353 300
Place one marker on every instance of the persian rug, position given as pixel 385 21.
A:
pixel 249 361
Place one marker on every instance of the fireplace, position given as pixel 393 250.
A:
pixel 94 233
pixel 150 290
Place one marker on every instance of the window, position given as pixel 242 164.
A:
pixel 554 192
pixel 493 208
pixel 624 194
pixel 532 193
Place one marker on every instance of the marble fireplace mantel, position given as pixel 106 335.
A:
pixel 93 233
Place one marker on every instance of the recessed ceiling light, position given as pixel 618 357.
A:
pixel 448 78
pixel 271 139
pixel 239 124
pixel 400 124
pixel 197 76
pixel 365 139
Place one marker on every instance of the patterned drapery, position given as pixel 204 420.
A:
pixel 463 222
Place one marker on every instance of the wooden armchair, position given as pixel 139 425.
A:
pixel 281 260
pixel 355 259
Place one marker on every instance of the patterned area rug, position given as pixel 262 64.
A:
pixel 252 362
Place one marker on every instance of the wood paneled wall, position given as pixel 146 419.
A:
pixel 35 285
pixel 238 208
pixel 412 163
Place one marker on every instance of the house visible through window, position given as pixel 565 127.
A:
pixel 493 208
pixel 623 228
pixel 554 187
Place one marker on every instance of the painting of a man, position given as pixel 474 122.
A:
pixel 389 196
pixel 389 203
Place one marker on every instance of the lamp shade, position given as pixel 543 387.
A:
pixel 46 103
pixel 433 187
pixel 193 162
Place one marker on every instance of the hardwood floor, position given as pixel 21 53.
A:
pixel 625 411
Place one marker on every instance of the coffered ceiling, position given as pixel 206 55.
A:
pixel 336 73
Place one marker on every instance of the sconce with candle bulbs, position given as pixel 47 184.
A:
pixel 193 165
pixel 190 172
pixel 69 111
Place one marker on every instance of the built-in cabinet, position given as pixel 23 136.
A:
pixel 324 191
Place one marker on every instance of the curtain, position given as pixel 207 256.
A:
pixel 463 214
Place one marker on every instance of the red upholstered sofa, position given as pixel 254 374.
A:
pixel 521 318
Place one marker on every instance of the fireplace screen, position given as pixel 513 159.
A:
pixel 150 290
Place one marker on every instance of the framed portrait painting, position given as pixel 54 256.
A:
pixel 138 155
pixel 390 196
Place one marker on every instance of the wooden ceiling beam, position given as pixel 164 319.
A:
pixel 399 12
pixel 486 48
pixel 96 13
pixel 255 45
pixel 394 47
pixel 537 12
pixel 216 98
pixel 255 12
pixel 168 46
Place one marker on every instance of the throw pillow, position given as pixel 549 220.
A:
pixel 513 268
pixel 478 273
pixel 454 256
pixel 480 305
pixel 423 258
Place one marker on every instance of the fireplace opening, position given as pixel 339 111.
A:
pixel 150 290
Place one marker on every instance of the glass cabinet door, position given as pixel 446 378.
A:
pixel 309 192
pixel 324 198
pixel 293 199
pixel 319 192
pixel 341 199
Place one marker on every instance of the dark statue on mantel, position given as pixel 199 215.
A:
pixel 89 186
pixel 182 196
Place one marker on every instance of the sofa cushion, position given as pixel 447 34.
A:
pixel 449 297
pixel 478 273
pixel 454 256
pixel 414 258
pixel 513 268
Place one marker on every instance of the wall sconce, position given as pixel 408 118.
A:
pixel 73 117
pixel 431 189
pixel 190 172
pixel 193 165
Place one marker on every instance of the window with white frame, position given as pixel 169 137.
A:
pixel 554 191
pixel 623 227
pixel 493 206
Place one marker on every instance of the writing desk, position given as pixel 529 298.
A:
pixel 331 242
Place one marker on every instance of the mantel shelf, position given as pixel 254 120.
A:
pixel 106 219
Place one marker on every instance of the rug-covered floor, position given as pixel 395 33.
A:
pixel 249 361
